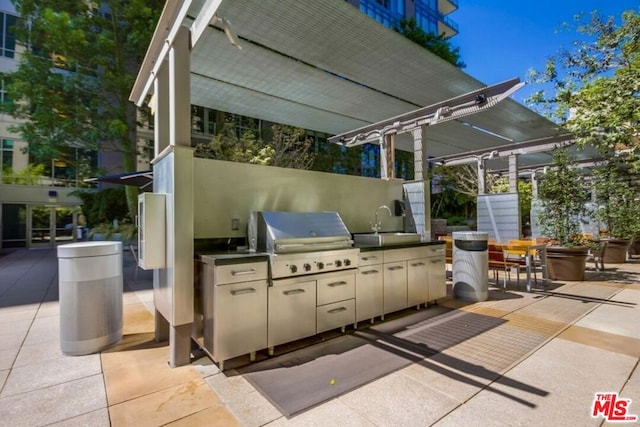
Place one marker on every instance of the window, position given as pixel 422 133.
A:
pixel 8 34
pixel 6 154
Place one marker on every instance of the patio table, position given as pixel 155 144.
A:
pixel 528 252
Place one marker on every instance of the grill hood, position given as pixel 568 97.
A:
pixel 288 232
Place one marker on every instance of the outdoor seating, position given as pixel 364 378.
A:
pixel 521 252
pixel 498 261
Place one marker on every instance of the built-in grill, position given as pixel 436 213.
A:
pixel 300 243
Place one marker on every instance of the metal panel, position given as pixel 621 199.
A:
pixel 498 216
pixel 241 188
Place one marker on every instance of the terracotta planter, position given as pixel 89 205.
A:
pixel 566 264
pixel 616 252
pixel 634 249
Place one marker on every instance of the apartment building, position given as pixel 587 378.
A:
pixel 46 213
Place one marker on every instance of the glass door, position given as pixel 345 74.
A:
pixel 40 233
pixel 51 225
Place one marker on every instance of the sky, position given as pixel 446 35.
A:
pixel 503 39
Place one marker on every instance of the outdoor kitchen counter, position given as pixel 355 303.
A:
pixel 232 257
pixel 367 248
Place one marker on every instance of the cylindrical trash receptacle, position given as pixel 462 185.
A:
pixel 90 293
pixel 470 265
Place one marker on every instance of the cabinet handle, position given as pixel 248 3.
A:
pixel 417 264
pixel 243 291
pixel 293 291
pixel 368 258
pixel 337 310
pixel 436 261
pixel 369 272
pixel 243 272
pixel 334 284
pixel 397 267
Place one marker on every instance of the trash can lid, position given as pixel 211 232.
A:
pixel 89 249
pixel 470 235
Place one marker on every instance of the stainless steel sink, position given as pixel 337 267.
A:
pixel 385 239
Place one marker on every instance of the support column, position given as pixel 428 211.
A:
pixel 513 173
pixel 534 184
pixel 482 178
pixel 387 156
pixel 422 200
pixel 513 187
pixel 175 178
pixel 180 90
pixel 161 110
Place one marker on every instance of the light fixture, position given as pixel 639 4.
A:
pixel 226 27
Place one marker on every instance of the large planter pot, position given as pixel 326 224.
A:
pixel 566 264
pixel 616 252
pixel 634 249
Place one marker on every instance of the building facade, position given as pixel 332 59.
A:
pixel 36 207
pixel 432 16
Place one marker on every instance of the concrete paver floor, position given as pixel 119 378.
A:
pixel 517 359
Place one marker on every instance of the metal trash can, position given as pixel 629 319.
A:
pixel 90 293
pixel 470 265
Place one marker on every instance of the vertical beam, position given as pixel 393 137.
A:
pixel 420 175
pixel 534 184
pixel 513 186
pixel 180 202
pixel 180 90
pixel 513 173
pixel 161 110
pixel 387 156
pixel 481 176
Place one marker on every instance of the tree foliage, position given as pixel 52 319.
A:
pixel 593 89
pixel 73 81
pixel 562 194
pixel 287 147
pixel 435 43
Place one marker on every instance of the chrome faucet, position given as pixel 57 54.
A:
pixel 377 226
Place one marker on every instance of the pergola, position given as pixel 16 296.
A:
pixel 320 65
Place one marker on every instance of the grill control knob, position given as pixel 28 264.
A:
pixel 306 267
pixel 320 265
pixel 347 262
pixel 293 268
pixel 338 263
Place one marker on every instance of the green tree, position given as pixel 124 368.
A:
pixel 435 43
pixel 287 147
pixel 72 84
pixel 593 89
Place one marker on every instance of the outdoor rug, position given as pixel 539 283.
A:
pixel 297 381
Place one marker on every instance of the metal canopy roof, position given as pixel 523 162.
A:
pixel 324 66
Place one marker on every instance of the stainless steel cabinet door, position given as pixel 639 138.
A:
pixel 292 312
pixel 437 278
pixel 369 292
pixel 395 286
pixel 240 313
pixel 417 281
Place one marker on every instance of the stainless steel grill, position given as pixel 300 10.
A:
pixel 300 243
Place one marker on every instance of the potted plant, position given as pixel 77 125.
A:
pixel 618 207
pixel 562 197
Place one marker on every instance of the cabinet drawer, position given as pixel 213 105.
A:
pixel 336 315
pixel 243 272
pixel 371 257
pixel 435 251
pixel 336 288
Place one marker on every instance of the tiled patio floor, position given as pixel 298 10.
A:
pixel 517 359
